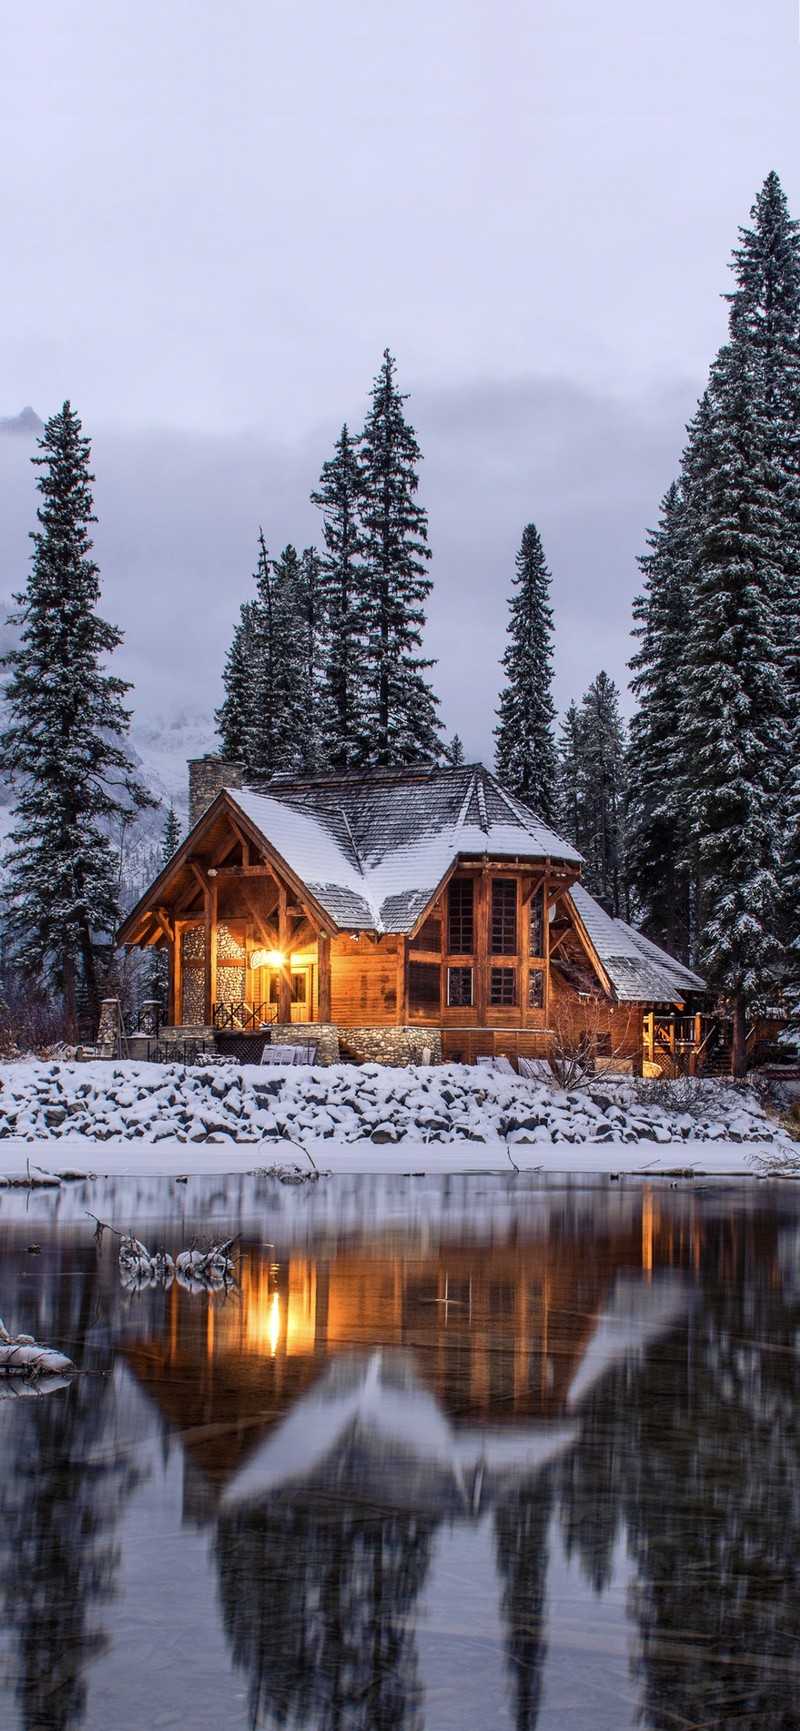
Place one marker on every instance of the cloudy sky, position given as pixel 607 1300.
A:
pixel 217 215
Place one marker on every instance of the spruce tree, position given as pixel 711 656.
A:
pixel 455 752
pixel 62 744
pixel 592 790
pixel 171 836
pixel 343 661
pixel 526 759
pixel 399 724
pixel 655 845
pixel 233 716
pixel 735 702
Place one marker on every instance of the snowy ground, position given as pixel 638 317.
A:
pixel 131 1118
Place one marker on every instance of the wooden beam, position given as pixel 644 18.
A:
pixel 401 1010
pixel 162 915
pixel 480 994
pixel 200 874
pixel 177 978
pixel 245 871
pixel 241 838
pixel 285 976
pixel 324 977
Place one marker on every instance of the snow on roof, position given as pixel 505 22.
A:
pixel 638 969
pixel 373 848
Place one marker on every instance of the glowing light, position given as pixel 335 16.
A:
pixel 267 959
pixel 275 1324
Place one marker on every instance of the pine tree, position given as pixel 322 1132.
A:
pixel 526 759
pixel 735 699
pixel 400 724
pixel 455 752
pixel 655 849
pixel 62 744
pixel 233 716
pixel 592 790
pixel 269 720
pixel 171 836
pixel 342 579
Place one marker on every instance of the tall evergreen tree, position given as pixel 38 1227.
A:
pixel 735 699
pixel 400 720
pixel 654 853
pixel 592 788
pixel 62 743
pixel 342 578
pixel 269 720
pixel 526 759
pixel 171 836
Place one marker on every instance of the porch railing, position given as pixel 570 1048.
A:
pixel 244 1018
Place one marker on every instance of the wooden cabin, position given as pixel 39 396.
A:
pixel 387 914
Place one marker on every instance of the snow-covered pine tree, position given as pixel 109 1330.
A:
pixel 342 581
pixel 233 716
pixel 171 836
pixel 62 743
pixel 455 752
pixel 526 758
pixel 658 878
pixel 735 703
pixel 400 724
pixel 592 790
pixel 570 777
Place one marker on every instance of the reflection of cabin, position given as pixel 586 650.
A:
pixel 496 1332
pixel 396 910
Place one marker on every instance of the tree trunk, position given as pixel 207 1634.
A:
pixel 739 1052
pixel 70 1001
pixel 90 977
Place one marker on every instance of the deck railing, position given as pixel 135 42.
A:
pixel 244 1018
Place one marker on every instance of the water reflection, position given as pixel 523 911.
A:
pixel 630 1380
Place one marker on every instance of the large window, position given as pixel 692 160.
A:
pixel 504 917
pixel 424 988
pixel 459 986
pixel 461 917
pixel 502 987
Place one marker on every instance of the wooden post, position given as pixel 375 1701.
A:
pixel 323 977
pixel 210 947
pixel 481 942
pixel 285 975
pixel 401 1006
pixel 172 978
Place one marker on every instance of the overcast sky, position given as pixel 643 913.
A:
pixel 216 215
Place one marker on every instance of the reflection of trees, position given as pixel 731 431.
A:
pixel 316 1604
pixel 698 1455
pixel 62 1487
pixel 521 1525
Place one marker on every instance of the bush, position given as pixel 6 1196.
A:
pixel 29 1021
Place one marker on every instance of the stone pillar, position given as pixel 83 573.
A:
pixel 207 777
pixel 108 1030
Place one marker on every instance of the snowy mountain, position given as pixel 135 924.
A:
pixel 26 423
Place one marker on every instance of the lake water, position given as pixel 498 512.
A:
pixel 452 1455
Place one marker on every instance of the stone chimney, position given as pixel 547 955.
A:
pixel 207 777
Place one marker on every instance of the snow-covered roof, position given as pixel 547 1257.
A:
pixel 638 969
pixel 374 848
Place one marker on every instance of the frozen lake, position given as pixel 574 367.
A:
pixel 454 1453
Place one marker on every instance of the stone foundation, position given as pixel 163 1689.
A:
pixel 323 1035
pixel 395 1046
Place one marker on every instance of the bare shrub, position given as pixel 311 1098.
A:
pixel 579 1032
pixel 689 1095
pixel 30 1021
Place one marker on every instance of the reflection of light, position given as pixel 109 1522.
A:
pixel 275 1324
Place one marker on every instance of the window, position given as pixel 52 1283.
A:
pixel 537 925
pixel 536 989
pixel 502 986
pixel 461 917
pixel 300 988
pixel 459 986
pixel 504 917
pixel 424 986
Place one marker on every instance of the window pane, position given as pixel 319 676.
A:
pixel 502 983
pixel 424 987
pixel 459 986
pixel 537 925
pixel 461 917
pixel 504 917
pixel 536 989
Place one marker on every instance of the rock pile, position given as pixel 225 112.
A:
pixel 448 1103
